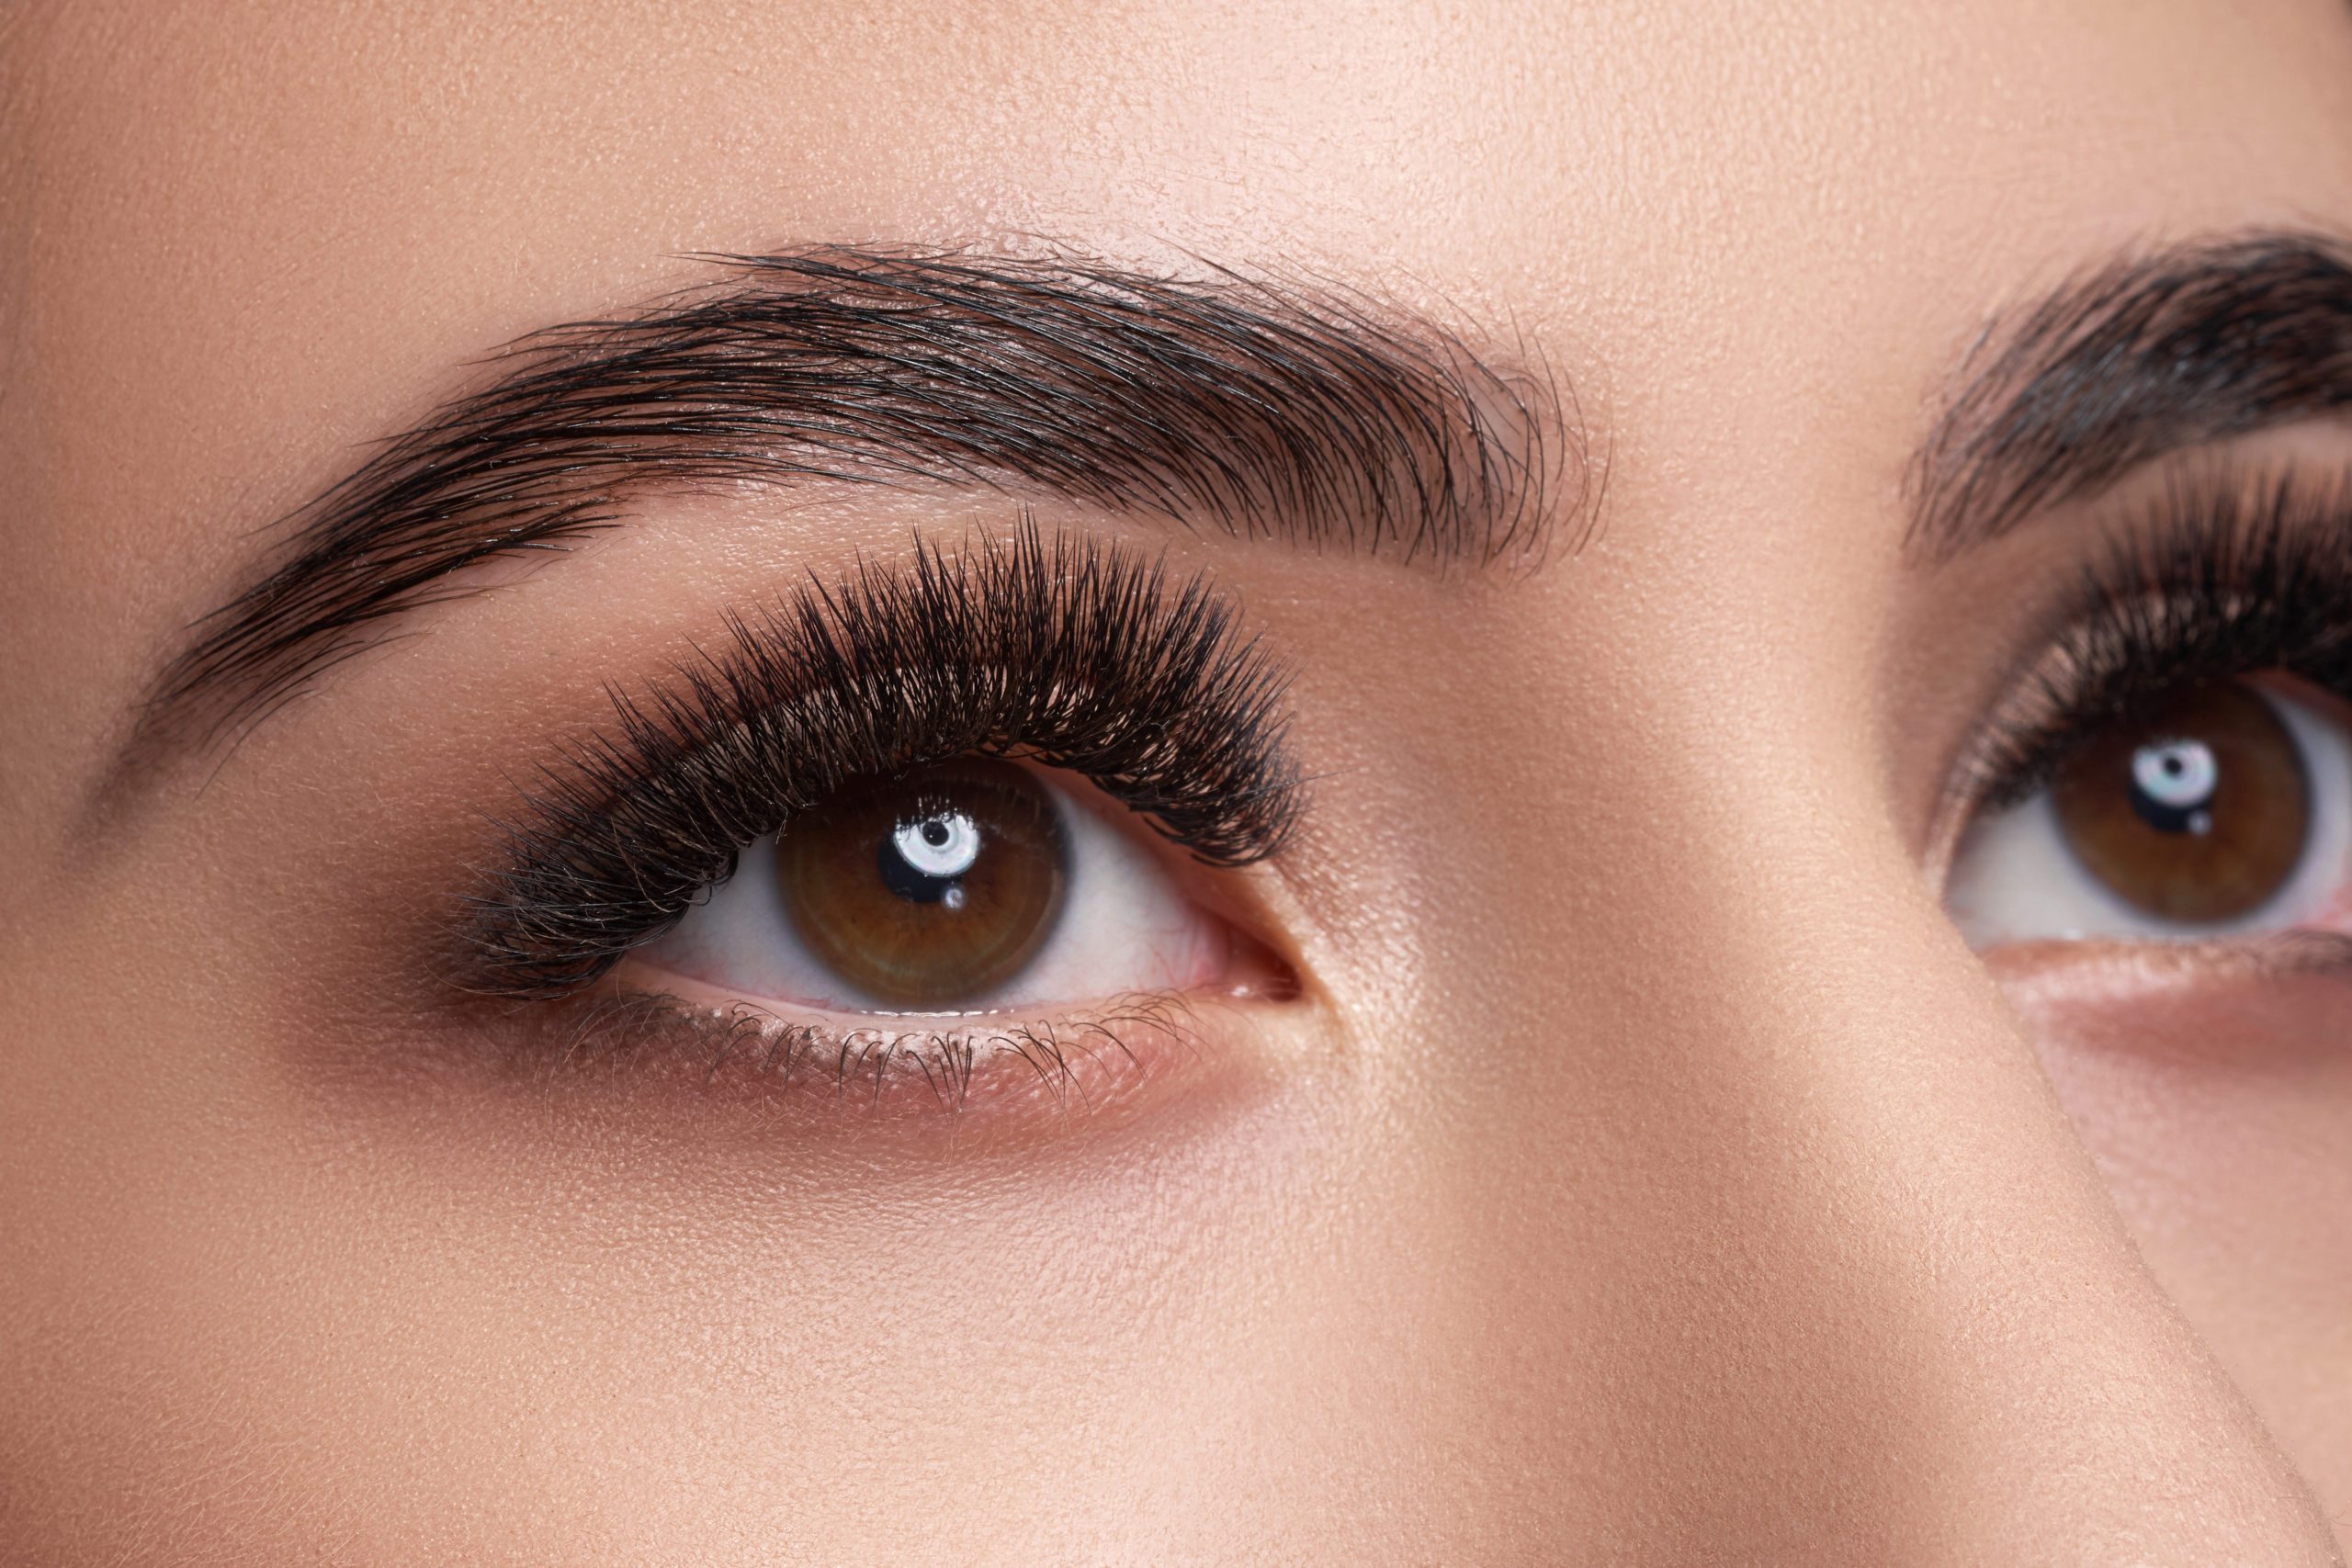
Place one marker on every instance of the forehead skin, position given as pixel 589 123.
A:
pixel 241 241
pixel 256 243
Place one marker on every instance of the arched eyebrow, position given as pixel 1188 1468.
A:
pixel 2147 354
pixel 1240 405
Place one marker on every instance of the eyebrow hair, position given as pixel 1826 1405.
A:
pixel 2151 354
pixel 1260 408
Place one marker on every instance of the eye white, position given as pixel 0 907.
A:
pixel 2014 878
pixel 1125 925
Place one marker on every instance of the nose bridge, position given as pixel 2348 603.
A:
pixel 1831 1245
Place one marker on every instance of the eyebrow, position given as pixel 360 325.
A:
pixel 1254 407
pixel 2145 356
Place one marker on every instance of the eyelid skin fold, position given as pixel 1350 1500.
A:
pixel 1067 652
pixel 2227 574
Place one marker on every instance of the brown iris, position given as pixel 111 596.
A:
pixel 929 889
pixel 2198 816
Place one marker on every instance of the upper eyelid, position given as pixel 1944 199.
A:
pixel 1155 693
pixel 2243 551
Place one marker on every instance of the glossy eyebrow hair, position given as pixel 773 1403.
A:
pixel 2147 354
pixel 1249 406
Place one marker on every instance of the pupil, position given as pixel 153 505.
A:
pixel 2142 807
pixel 928 890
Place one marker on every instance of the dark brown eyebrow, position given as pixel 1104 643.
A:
pixel 1253 407
pixel 2151 354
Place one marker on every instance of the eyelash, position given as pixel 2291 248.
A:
pixel 1073 655
pixel 1081 656
pixel 2227 575
pixel 1099 1052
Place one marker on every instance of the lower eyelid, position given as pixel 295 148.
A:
pixel 885 1068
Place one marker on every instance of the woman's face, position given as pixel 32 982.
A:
pixel 1655 853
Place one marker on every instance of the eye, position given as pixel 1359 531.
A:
pixel 2227 811
pixel 974 885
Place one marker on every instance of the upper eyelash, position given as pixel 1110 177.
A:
pixel 1072 653
pixel 2227 575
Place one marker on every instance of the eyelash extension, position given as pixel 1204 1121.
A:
pixel 1069 653
pixel 2227 575
pixel 1263 406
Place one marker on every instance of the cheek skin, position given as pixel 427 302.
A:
pixel 2215 1097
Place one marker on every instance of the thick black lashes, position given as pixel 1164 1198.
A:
pixel 1071 653
pixel 2225 577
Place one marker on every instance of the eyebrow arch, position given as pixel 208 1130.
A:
pixel 2151 354
pixel 1257 408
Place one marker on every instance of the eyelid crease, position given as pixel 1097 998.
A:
pixel 1071 654
pixel 2226 573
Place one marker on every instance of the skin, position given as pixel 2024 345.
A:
pixel 1648 1172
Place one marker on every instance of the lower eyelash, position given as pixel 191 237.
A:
pixel 1066 1063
